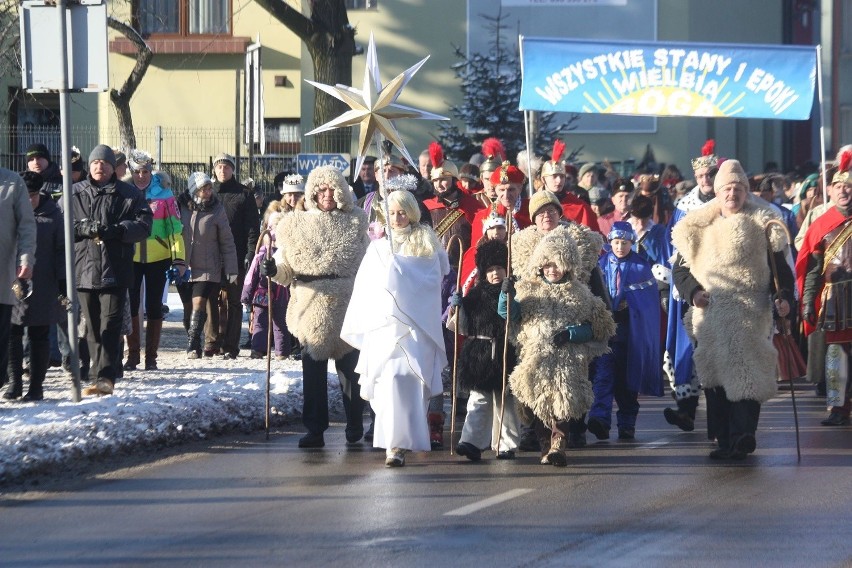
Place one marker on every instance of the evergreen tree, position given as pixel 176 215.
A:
pixel 491 85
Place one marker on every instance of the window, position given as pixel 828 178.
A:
pixel 183 17
pixel 845 123
pixel 362 4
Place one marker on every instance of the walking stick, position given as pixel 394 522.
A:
pixel 458 239
pixel 785 329
pixel 268 232
pixel 509 227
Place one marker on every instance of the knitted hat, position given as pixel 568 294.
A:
pixel 33 181
pixel 621 230
pixel 226 158
pixel 598 193
pixel 542 199
pixel 507 173
pixel 293 183
pixel 38 150
pixel 103 153
pixel 707 159
pixel 196 181
pixel 554 165
pixel 441 167
pixel 140 160
pixel 731 171
pixel 491 253
pixel 586 168
pixel 120 157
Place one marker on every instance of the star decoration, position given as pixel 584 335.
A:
pixel 374 107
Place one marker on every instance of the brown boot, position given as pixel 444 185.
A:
pixel 557 456
pixel 436 429
pixel 133 345
pixel 153 331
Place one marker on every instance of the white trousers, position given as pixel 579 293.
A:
pixel 482 425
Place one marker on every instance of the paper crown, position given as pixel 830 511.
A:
pixel 493 220
pixel 707 159
pixel 293 183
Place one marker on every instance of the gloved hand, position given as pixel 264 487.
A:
pixel 455 300
pixel 247 260
pixel 268 268
pixel 573 334
pixel 508 287
pixel 232 278
pixel 809 313
pixel 86 228
pixel 111 232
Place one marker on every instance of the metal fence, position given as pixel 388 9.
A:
pixel 177 150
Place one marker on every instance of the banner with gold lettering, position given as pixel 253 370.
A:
pixel 668 78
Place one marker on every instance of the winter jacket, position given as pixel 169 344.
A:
pixel 480 363
pixel 255 288
pixel 166 239
pixel 108 263
pixel 241 211
pixel 210 251
pixel 52 186
pixel 48 282
pixel 17 231
pixel 728 258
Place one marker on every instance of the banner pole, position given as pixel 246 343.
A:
pixel 821 123
pixel 526 121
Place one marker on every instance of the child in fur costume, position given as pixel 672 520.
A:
pixel 395 320
pixel 480 363
pixel 633 365
pixel 561 327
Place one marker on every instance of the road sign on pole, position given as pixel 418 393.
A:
pixel 307 162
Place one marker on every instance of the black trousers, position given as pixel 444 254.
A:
pixel 731 420
pixel 154 274
pixel 315 393
pixel 104 312
pixel 5 326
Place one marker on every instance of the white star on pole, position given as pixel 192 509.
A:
pixel 374 106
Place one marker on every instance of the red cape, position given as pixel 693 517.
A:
pixel 577 210
pixel 522 218
pixel 816 232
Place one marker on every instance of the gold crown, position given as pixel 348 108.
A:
pixel 710 161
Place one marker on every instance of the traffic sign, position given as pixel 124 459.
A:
pixel 307 162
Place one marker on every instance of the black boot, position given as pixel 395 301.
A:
pixel 744 417
pixel 16 372
pixel 196 328
pixel 684 416
pixel 39 361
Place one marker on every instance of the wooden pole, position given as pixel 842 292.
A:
pixel 454 239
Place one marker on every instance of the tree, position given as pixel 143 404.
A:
pixel 330 40
pixel 491 89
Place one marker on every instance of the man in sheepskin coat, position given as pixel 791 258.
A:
pixel 723 269
pixel 320 250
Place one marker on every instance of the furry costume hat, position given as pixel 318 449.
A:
pixel 731 171
pixel 529 166
pixel 404 199
pixel 542 199
pixel 491 253
pixel 560 248
pixel 330 176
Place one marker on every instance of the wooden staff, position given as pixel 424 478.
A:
pixel 268 232
pixel 458 239
pixel 509 226
pixel 785 329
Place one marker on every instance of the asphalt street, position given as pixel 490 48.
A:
pixel 656 501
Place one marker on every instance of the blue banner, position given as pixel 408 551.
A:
pixel 668 79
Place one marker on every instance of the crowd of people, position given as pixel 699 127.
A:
pixel 550 292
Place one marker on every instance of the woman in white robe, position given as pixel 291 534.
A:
pixel 394 319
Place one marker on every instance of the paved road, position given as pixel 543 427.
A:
pixel 656 502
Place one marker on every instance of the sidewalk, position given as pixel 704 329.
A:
pixel 183 400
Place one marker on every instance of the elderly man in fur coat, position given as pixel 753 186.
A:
pixel 320 250
pixel 723 269
pixel 559 328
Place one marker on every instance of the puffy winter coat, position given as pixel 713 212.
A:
pixel 42 307
pixel 166 239
pixel 243 217
pixel 210 251
pixel 108 263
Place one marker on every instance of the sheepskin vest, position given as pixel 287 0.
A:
pixel 554 381
pixel 733 335
pixel 318 257
pixel 480 363
pixel 589 245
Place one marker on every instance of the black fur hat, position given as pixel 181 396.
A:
pixel 491 253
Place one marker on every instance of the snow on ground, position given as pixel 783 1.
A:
pixel 183 400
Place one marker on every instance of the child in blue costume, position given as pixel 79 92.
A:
pixel 633 365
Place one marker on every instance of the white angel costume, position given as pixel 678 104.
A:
pixel 394 319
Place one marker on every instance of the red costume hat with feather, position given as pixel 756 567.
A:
pixel 842 174
pixel 494 153
pixel 554 165
pixel 441 167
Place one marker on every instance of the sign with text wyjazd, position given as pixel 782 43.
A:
pixel 668 79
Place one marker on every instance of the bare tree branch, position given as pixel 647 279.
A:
pixel 143 58
pixel 290 17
